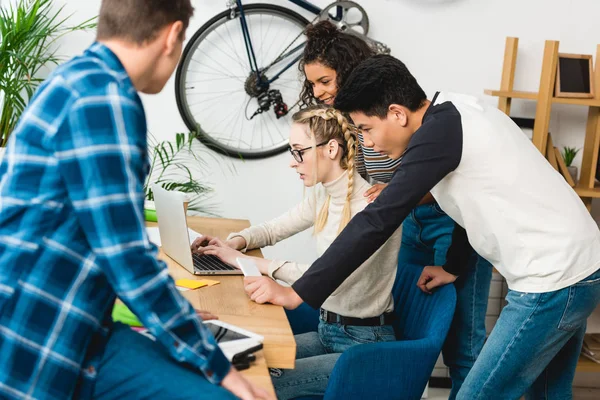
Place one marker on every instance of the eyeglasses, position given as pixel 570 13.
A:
pixel 297 154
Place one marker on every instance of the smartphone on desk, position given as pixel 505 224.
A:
pixel 248 267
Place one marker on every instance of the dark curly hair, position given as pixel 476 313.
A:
pixel 333 48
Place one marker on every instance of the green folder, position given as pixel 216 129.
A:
pixel 122 314
pixel 150 215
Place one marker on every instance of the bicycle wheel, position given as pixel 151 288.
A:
pixel 217 92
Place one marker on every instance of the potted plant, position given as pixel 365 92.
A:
pixel 29 30
pixel 177 166
pixel 569 154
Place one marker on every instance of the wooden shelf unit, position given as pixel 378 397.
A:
pixel 586 188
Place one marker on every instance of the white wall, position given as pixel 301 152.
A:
pixel 455 45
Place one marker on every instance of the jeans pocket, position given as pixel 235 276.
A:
pixel 582 299
pixel 384 333
pixel 360 334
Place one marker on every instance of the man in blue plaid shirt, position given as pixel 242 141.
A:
pixel 72 235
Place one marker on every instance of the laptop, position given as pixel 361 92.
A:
pixel 175 236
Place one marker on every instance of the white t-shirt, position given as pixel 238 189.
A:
pixel 518 211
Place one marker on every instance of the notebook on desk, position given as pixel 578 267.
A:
pixel 176 237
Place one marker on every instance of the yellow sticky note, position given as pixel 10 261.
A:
pixel 189 283
pixel 209 282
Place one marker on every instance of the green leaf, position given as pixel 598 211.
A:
pixel 569 154
pixel 28 33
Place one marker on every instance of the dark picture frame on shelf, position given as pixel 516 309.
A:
pixel 574 76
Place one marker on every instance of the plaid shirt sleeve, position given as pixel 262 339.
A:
pixel 101 152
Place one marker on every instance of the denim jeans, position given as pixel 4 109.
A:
pixel 426 236
pixel 317 353
pixel 135 367
pixel 534 347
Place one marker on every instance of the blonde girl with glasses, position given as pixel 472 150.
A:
pixel 323 146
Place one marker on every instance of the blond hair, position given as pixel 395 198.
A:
pixel 327 124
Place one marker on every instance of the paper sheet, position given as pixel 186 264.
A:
pixel 154 235
pixel 193 235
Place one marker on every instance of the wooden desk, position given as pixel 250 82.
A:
pixel 230 303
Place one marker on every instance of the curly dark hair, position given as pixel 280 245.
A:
pixel 333 48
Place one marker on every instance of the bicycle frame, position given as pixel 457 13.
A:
pixel 308 6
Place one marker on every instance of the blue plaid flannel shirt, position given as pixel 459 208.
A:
pixel 72 237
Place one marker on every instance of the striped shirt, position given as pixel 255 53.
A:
pixel 72 237
pixel 377 166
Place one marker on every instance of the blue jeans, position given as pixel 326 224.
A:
pixel 534 347
pixel 317 353
pixel 135 367
pixel 426 236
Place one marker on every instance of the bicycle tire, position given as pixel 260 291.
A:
pixel 189 121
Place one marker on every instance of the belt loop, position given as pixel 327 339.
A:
pixel 382 319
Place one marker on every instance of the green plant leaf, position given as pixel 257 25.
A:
pixel 569 154
pixel 28 33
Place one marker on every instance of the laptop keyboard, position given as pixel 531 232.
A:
pixel 210 263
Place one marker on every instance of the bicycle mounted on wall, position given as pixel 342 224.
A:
pixel 238 79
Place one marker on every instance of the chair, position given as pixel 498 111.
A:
pixel 391 370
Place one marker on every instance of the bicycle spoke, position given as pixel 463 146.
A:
pixel 287 86
pixel 226 127
pixel 252 41
pixel 267 30
pixel 233 131
pixel 293 80
pixel 212 73
pixel 260 55
pixel 231 58
pixel 218 72
pixel 226 117
pixel 203 101
pixel 253 122
pixel 284 43
pixel 218 65
pixel 228 44
pixel 218 92
pixel 273 39
pixel 267 124
pixel 274 123
pixel 222 104
pixel 269 131
pixel 249 66
pixel 261 34
pixel 209 80
pixel 238 118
